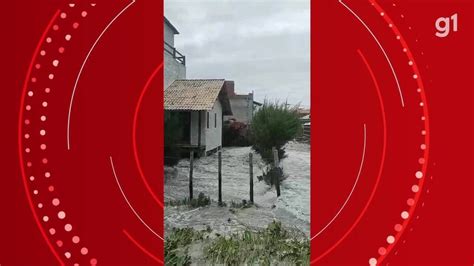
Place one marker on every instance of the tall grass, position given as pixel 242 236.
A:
pixel 274 245
pixel 271 246
pixel 177 244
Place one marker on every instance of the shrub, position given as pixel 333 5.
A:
pixel 240 205
pixel 235 134
pixel 273 125
pixel 201 201
pixel 271 174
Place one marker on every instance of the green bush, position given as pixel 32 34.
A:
pixel 273 125
pixel 234 136
pixel 271 174
pixel 240 205
pixel 201 201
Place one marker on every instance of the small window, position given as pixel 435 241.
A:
pixel 215 120
pixel 207 119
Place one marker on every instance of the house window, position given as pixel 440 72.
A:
pixel 215 120
pixel 207 119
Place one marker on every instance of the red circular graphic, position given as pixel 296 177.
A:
pixel 374 206
pixel 79 134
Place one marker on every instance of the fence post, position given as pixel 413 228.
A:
pixel 277 170
pixel 219 156
pixel 251 176
pixel 191 163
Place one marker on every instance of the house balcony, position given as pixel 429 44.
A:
pixel 180 58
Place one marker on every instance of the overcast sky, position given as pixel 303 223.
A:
pixel 264 46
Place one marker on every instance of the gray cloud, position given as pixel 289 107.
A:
pixel 263 45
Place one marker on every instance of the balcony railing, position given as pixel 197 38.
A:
pixel 180 58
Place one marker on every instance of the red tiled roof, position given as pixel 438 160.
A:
pixel 192 95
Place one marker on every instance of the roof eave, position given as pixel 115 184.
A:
pixel 171 26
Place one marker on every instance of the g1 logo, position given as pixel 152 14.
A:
pixel 443 25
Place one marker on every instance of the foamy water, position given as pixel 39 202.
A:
pixel 292 208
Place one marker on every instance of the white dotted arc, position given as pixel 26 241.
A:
pixel 33 94
pixel 416 188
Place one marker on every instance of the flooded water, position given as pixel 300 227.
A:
pixel 291 208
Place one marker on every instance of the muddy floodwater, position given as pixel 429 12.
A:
pixel 292 209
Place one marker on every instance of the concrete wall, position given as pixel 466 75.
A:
pixel 210 137
pixel 169 35
pixel 214 132
pixel 173 70
pixel 195 127
pixel 242 108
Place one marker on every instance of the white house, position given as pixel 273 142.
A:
pixel 201 105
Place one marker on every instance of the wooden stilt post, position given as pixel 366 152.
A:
pixel 277 170
pixel 251 176
pixel 219 156
pixel 199 129
pixel 191 165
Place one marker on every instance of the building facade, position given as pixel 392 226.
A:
pixel 243 106
pixel 175 62
pixel 201 105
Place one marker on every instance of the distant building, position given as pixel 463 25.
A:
pixel 201 105
pixel 305 119
pixel 306 132
pixel 243 106
pixel 303 112
pixel 175 62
